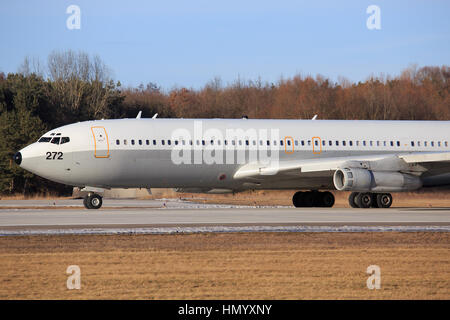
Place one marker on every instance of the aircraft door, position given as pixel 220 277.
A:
pixel 101 143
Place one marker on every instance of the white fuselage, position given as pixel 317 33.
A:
pixel 205 154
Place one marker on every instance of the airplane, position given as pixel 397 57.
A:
pixel 370 158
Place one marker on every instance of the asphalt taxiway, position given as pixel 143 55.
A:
pixel 18 217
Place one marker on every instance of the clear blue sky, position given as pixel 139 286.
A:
pixel 187 43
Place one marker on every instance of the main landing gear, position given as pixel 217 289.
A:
pixel 370 200
pixel 92 201
pixel 313 199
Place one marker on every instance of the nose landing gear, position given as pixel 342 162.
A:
pixel 92 201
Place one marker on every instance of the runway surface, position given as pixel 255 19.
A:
pixel 23 217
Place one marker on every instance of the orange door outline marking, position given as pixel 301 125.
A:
pixel 285 144
pixel 95 142
pixel 320 145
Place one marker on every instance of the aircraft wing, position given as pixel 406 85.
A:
pixel 416 163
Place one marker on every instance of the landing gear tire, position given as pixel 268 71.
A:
pixel 351 199
pixel 370 200
pixel 92 201
pixel 364 200
pixel 313 199
pixel 327 199
pixel 384 200
pixel 297 199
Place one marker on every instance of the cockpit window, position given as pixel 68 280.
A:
pixel 55 140
pixel 45 139
pixel 64 140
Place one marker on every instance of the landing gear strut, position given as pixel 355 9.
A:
pixel 92 201
pixel 368 199
pixel 313 199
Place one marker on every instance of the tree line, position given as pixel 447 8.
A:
pixel 77 87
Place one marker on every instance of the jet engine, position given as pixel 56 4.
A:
pixel 363 180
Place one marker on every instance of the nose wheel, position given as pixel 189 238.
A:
pixel 92 201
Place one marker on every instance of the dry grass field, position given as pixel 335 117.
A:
pixel 419 199
pixel 227 266
pixel 284 198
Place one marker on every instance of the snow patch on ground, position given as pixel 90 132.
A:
pixel 222 229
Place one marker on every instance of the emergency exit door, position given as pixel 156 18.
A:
pixel 101 143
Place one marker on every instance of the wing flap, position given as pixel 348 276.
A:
pixel 426 157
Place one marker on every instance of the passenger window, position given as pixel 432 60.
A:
pixel 303 142
pixel 240 142
pixel 392 143
pixel 350 143
pixel 343 142
pixel 412 143
pixel 203 142
pixel 398 143
pixel 132 142
pixel 446 143
pixel 163 142
pixel 246 142
pixel 212 142
pixel 268 142
pixel 176 142
pixel 117 142
pixel 125 141
pixel 281 142
pixel 66 139
pixel 337 142
pixel 154 142
pixel 55 140
pixel 147 142
pixel 439 143
pixel 330 143
pixel 140 142
pixel 296 142
pixel 169 142
pixel 432 143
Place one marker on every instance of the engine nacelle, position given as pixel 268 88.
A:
pixel 363 180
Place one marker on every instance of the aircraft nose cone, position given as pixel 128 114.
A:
pixel 18 158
